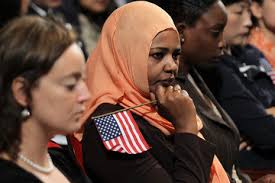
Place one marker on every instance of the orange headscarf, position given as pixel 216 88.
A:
pixel 117 68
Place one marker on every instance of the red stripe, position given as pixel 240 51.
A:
pixel 141 143
pixel 52 144
pixel 126 137
pixel 137 129
pixel 136 144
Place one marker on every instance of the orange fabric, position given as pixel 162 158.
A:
pixel 117 68
pixel 258 39
pixel 217 172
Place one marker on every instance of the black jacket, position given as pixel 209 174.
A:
pixel 233 91
pixel 220 130
pixel 178 158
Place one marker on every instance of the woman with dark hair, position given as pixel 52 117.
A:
pixel 243 89
pixel 136 62
pixel 200 24
pixel 42 94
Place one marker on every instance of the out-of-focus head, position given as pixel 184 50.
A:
pixel 200 23
pixel 239 22
pixel 11 9
pixel 263 11
pixel 40 67
pixel 95 6
pixel 48 3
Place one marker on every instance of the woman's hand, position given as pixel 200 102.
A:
pixel 177 103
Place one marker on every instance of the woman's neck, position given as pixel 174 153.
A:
pixel 34 145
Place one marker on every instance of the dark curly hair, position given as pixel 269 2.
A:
pixel 185 11
pixel 229 2
pixel 29 47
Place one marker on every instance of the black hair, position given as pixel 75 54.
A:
pixel 29 47
pixel 185 11
pixel 229 2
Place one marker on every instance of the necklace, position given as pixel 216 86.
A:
pixel 36 166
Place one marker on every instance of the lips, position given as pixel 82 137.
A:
pixel 167 82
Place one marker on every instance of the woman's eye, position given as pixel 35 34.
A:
pixel 176 55
pixel 70 87
pixel 157 56
pixel 215 33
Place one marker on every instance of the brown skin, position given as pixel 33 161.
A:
pixel 204 41
pixel 163 64
pixel 172 100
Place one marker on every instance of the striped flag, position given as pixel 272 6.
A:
pixel 119 132
pixel 272 76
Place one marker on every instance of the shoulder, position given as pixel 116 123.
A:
pixel 14 173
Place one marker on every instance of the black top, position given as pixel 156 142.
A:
pixel 11 172
pixel 181 157
pixel 64 159
pixel 218 127
pixel 227 84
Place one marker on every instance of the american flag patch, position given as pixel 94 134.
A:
pixel 119 132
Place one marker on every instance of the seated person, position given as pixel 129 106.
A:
pixel 136 62
pixel 231 88
pixel 42 94
pixel 195 22
pixel 263 33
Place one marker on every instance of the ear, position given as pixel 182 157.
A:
pixel 18 88
pixel 181 27
pixel 256 10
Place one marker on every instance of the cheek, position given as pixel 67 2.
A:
pixel 269 19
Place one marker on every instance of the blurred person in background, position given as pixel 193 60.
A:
pixel 11 9
pixel 92 16
pixel 263 33
pixel 243 89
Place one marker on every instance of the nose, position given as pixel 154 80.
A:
pixel 221 44
pixel 247 19
pixel 83 93
pixel 171 65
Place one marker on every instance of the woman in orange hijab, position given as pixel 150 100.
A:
pixel 135 62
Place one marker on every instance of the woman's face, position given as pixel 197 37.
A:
pixel 267 14
pixel 239 22
pixel 204 41
pixel 58 100
pixel 95 6
pixel 163 59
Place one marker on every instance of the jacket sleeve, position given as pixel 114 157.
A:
pixel 192 161
pixel 245 110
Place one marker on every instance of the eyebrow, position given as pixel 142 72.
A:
pixel 218 26
pixel 75 75
pixel 165 49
